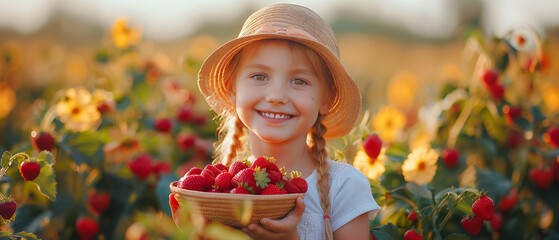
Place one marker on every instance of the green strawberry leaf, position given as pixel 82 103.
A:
pixel 388 231
pixel 5 235
pixel 26 235
pixel 6 159
pixel 261 178
pixel 47 157
pixel 46 181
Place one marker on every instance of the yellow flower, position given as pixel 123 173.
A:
pixel 401 90
pixel 421 165
pixel 551 98
pixel 77 110
pixel 389 122
pixel 7 100
pixel 124 36
pixel 372 168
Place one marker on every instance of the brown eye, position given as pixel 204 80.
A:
pixel 299 82
pixel 259 77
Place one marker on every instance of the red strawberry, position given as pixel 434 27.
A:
pixel 43 141
pixel 552 136
pixel 185 114
pixel 223 181
pixel 141 167
pixel 214 170
pixel 497 221
pixel 221 167
pixel 412 235
pixel 265 163
pixel 7 209
pixel 483 207
pixel 194 171
pixel 255 179
pixel 556 169
pixel 511 113
pixel 412 216
pixel 299 182
pixel 514 139
pixel 87 228
pixel 186 141
pixel 99 202
pixel 199 120
pixel 372 145
pixel 272 189
pixel 161 168
pixel 290 187
pixel 508 201
pixel 274 176
pixel 163 125
pixel 239 190
pixel 490 77
pixel 237 166
pixel 472 225
pixel 104 107
pixel 209 176
pixel 497 91
pixel 450 157
pixel 194 182
pixel 542 177
pixel 29 170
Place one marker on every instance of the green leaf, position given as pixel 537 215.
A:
pixel 26 235
pixel 492 181
pixel 421 195
pixel 46 181
pixel 47 157
pixel 5 235
pixel 456 236
pixel 6 159
pixel 388 231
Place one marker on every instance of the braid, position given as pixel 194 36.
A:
pixel 230 140
pixel 318 151
pixel 237 141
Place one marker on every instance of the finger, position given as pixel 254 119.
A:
pixel 174 205
pixel 257 232
pixel 288 222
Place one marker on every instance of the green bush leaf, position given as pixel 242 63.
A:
pixel 492 181
pixel 46 181
pixel 26 235
pixel 6 159
pixel 47 157
pixel 388 231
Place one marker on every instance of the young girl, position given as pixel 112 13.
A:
pixel 281 91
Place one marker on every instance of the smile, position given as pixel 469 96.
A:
pixel 275 115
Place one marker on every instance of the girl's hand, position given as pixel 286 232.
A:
pixel 285 228
pixel 174 206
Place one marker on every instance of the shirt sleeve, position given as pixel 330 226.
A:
pixel 351 197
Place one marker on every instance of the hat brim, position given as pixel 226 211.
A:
pixel 345 108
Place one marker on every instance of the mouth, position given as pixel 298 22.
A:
pixel 272 115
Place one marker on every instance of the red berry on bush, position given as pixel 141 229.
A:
pixel 542 177
pixel 450 157
pixel 553 136
pixel 511 113
pixel 186 141
pixel 412 216
pixel 29 170
pixel 496 222
pixel 472 225
pixel 43 141
pixel 483 207
pixel 508 201
pixel 497 91
pixel 372 145
pixel 514 139
pixel 490 77
pixel 99 202
pixel 412 235
pixel 7 209
pixel 161 168
pixel 87 228
pixel 141 166
pixel 163 125
pixel 185 114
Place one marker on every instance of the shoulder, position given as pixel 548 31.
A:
pixel 340 170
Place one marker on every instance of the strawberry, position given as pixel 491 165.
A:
pixel 186 141
pixel 209 177
pixel 497 91
pixel 290 187
pixel 372 145
pixel 552 136
pixel 29 170
pixel 255 179
pixel 272 189
pixel 223 182
pixel 508 201
pixel 99 202
pixel 104 108
pixel 87 228
pixel 161 168
pixel 472 225
pixel 490 77
pixel 497 221
pixel 511 113
pixel 412 235
pixel 185 114
pixel 237 166
pixel 274 176
pixel 7 209
pixel 163 125
pixel 43 141
pixel 194 171
pixel 265 163
pixel 514 139
pixel 299 182
pixel 221 167
pixel 542 177
pixel 239 190
pixel 214 170
pixel 141 166
pixel 195 183
pixel 199 120
pixel 450 157
pixel 483 207
pixel 412 216
pixel 556 170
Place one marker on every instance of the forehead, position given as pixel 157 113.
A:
pixel 273 50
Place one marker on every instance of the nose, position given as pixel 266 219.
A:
pixel 276 93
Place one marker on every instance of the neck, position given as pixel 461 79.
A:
pixel 293 155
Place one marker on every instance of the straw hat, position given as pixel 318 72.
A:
pixel 298 24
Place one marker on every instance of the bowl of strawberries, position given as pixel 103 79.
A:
pixel 240 194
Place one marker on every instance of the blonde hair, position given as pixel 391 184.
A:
pixel 232 136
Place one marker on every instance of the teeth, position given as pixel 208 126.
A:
pixel 276 116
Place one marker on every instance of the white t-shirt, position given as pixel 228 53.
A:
pixel 350 196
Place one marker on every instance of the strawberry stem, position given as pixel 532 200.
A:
pixel 12 158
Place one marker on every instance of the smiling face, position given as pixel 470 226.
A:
pixel 278 91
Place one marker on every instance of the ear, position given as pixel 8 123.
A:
pixel 325 105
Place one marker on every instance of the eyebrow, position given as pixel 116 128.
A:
pixel 294 71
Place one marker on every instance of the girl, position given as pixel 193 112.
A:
pixel 281 91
